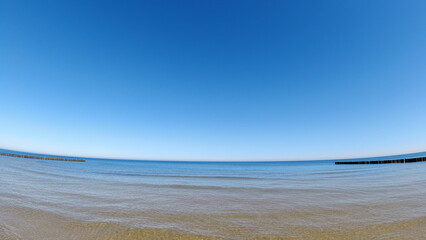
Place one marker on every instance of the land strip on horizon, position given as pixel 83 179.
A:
pixel 40 157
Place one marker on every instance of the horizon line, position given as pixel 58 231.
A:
pixel 230 161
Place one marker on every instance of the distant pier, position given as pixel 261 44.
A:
pixel 42 158
pixel 403 160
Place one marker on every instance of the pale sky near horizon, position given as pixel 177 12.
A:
pixel 213 80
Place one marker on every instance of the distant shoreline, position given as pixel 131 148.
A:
pixel 400 158
pixel 39 157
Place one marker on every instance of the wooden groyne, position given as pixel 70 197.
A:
pixel 403 160
pixel 42 158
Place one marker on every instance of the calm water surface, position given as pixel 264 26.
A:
pixel 117 199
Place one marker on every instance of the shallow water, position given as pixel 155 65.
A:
pixel 117 199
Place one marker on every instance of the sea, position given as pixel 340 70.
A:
pixel 106 199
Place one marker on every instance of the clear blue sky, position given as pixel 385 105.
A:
pixel 213 80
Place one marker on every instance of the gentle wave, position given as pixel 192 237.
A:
pixel 175 176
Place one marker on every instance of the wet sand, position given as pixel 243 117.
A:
pixel 36 225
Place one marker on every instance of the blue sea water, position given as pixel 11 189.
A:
pixel 229 200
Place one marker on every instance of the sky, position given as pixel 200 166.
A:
pixel 213 80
